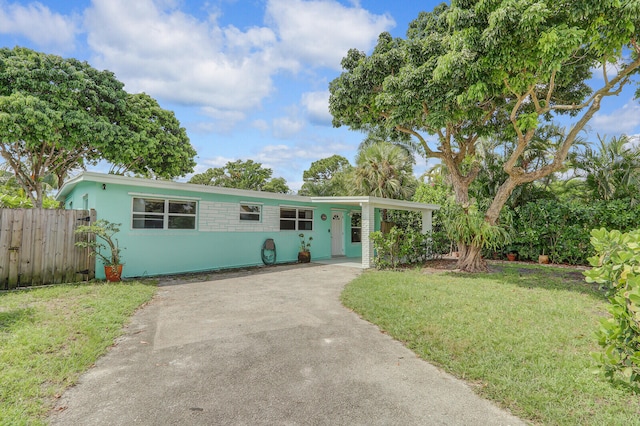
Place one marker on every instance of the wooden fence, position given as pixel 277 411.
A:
pixel 38 247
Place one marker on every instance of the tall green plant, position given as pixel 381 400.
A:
pixel 612 171
pixel 105 231
pixel 405 246
pixel 617 268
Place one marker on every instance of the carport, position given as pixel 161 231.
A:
pixel 369 207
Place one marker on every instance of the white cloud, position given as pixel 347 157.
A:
pixel 178 58
pixel 317 106
pixel 155 47
pixel 622 120
pixel 612 71
pixel 260 124
pixel 290 161
pixel 320 32
pixel 287 127
pixel 285 155
pixel 37 23
pixel 218 161
pixel 225 120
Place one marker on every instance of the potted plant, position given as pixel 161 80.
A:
pixel 543 258
pixel 109 253
pixel 304 255
pixel 512 253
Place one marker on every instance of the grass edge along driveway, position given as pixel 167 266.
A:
pixel 521 336
pixel 50 335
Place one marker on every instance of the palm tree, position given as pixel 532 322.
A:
pixel 384 170
pixel 613 170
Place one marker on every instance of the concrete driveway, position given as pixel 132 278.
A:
pixel 271 346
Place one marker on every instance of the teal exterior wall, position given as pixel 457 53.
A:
pixel 351 249
pixel 219 241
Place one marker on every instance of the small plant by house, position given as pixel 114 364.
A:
pixel 305 244
pixel 304 254
pixel 104 245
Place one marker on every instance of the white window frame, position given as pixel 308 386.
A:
pixel 165 215
pixel 245 213
pixel 297 220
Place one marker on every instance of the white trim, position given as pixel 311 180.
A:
pixel 252 202
pixel 297 206
pixel 377 202
pixel 166 197
pixel 170 185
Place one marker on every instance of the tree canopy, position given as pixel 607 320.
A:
pixel 58 114
pixel 242 175
pixel 327 177
pixel 476 69
pixel 153 143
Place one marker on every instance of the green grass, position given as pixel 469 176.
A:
pixel 50 335
pixel 521 337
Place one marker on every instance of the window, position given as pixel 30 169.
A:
pixel 250 212
pixel 356 227
pixel 296 219
pixel 149 213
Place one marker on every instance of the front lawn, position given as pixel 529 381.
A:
pixel 521 336
pixel 50 335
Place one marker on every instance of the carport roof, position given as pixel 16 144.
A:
pixel 377 202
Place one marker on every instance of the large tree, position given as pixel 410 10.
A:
pixel 152 143
pixel 242 175
pixel 327 177
pixel 58 114
pixel 491 67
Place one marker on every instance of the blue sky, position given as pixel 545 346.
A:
pixel 247 78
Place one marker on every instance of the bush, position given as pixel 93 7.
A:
pixel 406 246
pixel 616 267
pixel 562 229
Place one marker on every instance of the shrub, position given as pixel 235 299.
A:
pixel 406 246
pixel 616 267
pixel 562 229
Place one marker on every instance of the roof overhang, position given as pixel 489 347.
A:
pixel 376 202
pixel 359 201
pixel 170 185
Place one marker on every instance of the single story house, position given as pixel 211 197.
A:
pixel 173 227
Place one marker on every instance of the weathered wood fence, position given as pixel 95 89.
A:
pixel 38 247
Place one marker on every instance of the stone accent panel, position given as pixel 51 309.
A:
pixel 225 217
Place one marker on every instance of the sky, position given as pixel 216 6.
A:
pixel 248 79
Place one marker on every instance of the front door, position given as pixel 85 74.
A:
pixel 337 233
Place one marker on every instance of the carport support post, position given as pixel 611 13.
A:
pixel 427 224
pixel 368 226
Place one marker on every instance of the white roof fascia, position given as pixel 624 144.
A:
pixel 178 186
pixel 383 203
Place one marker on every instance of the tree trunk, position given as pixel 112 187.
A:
pixel 471 259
